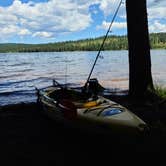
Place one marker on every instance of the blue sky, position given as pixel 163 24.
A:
pixel 43 21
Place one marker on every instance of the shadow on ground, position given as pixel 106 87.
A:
pixel 30 138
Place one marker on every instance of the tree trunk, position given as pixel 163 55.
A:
pixel 140 77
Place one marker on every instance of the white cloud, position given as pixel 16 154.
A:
pixel 48 19
pixel 156 26
pixel 109 6
pixel 43 34
pixel 119 25
pixel 156 15
pixel 45 19
pixel 157 12
pixel 9 29
pixel 115 25
pixel 23 32
pixel 156 9
pixel 155 2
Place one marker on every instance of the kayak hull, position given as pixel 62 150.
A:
pixel 100 115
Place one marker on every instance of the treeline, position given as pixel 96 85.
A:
pixel 157 40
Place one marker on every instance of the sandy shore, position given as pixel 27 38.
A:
pixel 30 138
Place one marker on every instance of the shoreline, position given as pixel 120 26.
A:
pixel 12 52
pixel 114 42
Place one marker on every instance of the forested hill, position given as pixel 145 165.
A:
pixel 157 40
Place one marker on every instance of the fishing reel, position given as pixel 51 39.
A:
pixel 92 88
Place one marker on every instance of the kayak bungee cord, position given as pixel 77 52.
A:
pixel 105 37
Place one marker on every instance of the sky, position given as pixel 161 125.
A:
pixel 44 21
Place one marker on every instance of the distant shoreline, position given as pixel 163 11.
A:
pixel 157 41
pixel 75 51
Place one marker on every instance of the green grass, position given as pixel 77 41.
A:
pixel 160 91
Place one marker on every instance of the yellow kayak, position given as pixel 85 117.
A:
pixel 73 106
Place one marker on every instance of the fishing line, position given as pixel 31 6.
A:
pixel 105 37
pixel 66 60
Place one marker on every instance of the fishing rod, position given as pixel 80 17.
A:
pixel 105 37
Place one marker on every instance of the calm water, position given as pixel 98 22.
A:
pixel 21 72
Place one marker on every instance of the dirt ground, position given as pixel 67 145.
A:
pixel 28 137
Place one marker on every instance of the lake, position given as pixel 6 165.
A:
pixel 20 73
